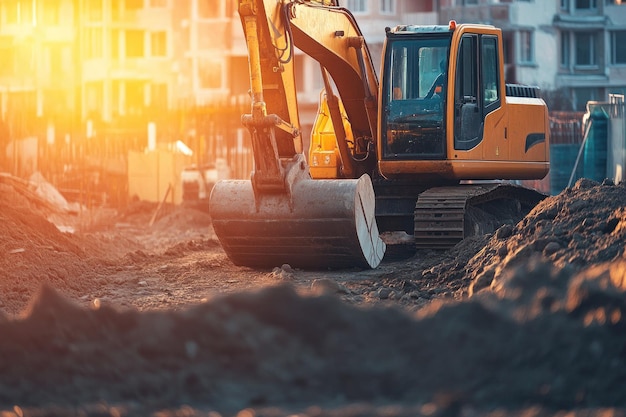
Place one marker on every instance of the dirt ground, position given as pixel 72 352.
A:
pixel 106 314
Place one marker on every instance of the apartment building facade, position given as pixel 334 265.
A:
pixel 124 49
pixel 71 65
pixel 574 50
pixel 38 70
pixel 592 49
pixel 69 61
pixel 153 56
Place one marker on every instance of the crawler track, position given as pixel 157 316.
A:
pixel 446 215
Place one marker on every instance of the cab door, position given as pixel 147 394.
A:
pixel 476 91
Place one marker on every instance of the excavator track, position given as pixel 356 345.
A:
pixel 446 215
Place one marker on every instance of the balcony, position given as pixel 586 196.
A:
pixel 129 68
pixel 580 22
pixel 581 80
pixel 142 18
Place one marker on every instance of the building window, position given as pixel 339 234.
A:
pixel 135 97
pixel 584 94
pixel 206 35
pixel 94 10
pixel 158 96
pixel 565 5
pixel 93 43
pixel 59 60
pixel 388 6
pixel 115 9
pixel 51 12
pixel 26 58
pixel 134 4
pixel 585 4
pixel 466 2
pixel 210 73
pixel 618 47
pixel 8 64
pixel 134 44
pixel 357 6
pixel 158 44
pixel 115 44
pixel 12 12
pixel 19 12
pixel 585 49
pixel 526 47
pixel 507 41
pixel 565 49
pixel 27 14
pixel 94 96
pixel 208 10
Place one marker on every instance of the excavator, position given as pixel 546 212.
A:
pixel 431 151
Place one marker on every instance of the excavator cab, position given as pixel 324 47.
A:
pixel 446 114
pixel 414 98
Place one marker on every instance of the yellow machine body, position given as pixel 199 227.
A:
pixel 324 156
pixel 503 153
pixel 394 153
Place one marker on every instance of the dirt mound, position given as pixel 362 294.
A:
pixel 183 219
pixel 277 348
pixel 158 228
pixel 544 328
pixel 82 253
pixel 163 217
pixel 582 226
pixel 34 251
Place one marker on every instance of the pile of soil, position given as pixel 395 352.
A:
pixel 34 251
pixel 584 225
pixel 532 323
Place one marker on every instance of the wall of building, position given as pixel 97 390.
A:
pixel 536 16
pixel 206 50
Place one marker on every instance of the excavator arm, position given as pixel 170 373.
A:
pixel 276 138
pixel 330 35
pixel 282 215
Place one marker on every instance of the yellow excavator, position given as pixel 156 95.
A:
pixel 425 152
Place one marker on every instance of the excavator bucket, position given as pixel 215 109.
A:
pixel 321 224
